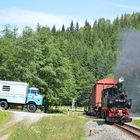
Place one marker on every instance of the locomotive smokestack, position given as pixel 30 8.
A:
pixel 121 79
pixel 120 85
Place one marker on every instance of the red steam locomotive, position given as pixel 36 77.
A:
pixel 109 101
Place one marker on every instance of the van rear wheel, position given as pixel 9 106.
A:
pixel 31 107
pixel 4 105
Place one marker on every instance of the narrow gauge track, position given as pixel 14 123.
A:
pixel 130 129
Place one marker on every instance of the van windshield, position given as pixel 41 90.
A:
pixel 33 91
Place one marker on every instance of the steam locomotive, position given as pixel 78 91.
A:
pixel 109 101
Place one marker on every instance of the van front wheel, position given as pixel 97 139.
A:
pixel 31 107
pixel 4 105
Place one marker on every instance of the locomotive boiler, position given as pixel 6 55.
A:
pixel 109 101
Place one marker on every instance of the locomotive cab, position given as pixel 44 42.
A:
pixel 114 97
pixel 116 102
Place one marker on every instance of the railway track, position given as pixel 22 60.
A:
pixel 130 129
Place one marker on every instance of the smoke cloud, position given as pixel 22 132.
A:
pixel 128 66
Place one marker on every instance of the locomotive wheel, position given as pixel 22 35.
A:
pixel 103 115
pixel 31 107
pixel 109 121
pixel 4 105
pixel 121 122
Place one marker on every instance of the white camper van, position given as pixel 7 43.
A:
pixel 19 93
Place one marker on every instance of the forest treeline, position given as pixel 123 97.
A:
pixel 63 64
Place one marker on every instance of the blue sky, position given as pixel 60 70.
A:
pixel 21 13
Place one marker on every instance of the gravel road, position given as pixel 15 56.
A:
pixel 29 117
pixel 98 130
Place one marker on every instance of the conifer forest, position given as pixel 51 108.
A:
pixel 63 63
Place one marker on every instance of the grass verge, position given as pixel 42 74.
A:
pixel 4 117
pixel 61 127
pixel 137 122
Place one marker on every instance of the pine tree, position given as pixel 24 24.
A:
pixel 87 25
pixel 71 26
pixel 63 28
pixel 77 26
pixel 53 29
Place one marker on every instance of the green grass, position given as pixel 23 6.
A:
pixel 137 122
pixel 63 109
pixel 4 117
pixel 60 127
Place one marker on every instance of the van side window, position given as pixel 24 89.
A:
pixel 6 88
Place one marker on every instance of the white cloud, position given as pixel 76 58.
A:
pixel 20 17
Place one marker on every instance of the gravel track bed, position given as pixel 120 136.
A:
pixel 98 130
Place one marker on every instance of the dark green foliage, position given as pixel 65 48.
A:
pixel 77 26
pixel 54 29
pixel 63 28
pixel 63 64
pixel 71 26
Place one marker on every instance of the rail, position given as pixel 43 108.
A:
pixel 130 129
